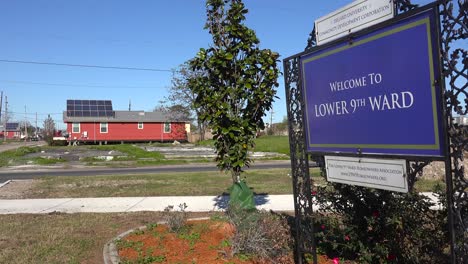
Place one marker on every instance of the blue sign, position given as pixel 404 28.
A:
pixel 377 94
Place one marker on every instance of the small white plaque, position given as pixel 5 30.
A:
pixel 386 174
pixel 358 15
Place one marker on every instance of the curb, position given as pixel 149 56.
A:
pixel 5 183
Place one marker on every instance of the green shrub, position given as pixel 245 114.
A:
pixel 376 226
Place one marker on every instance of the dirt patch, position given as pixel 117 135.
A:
pixel 202 242
pixel 17 189
pixel 97 183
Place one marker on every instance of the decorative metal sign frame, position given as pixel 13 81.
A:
pixel 453 30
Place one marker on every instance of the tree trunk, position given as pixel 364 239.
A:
pixel 201 129
pixel 235 174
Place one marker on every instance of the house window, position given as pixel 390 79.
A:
pixel 167 127
pixel 140 125
pixel 104 128
pixel 76 128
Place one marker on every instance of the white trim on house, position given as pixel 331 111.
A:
pixel 104 125
pixel 167 128
pixel 74 126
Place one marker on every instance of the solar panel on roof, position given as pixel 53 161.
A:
pixel 89 108
pixel 12 126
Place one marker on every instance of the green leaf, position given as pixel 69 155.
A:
pixel 229 56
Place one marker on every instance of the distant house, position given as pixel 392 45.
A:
pixel 12 131
pixel 96 121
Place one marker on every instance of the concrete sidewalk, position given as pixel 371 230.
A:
pixel 135 204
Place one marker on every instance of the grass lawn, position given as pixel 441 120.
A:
pixel 16 156
pixel 279 144
pixel 65 238
pixel 273 181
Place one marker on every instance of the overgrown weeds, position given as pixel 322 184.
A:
pixel 259 234
pixel 175 219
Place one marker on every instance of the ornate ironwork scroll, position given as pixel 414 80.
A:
pixel 454 32
pixel 454 29
pixel 402 6
pixel 304 233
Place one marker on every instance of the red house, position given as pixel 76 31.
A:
pixel 95 121
pixel 12 131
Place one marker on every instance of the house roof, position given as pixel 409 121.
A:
pixel 129 116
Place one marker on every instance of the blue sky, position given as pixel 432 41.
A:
pixel 139 34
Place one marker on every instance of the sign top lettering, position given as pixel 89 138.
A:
pixel 358 15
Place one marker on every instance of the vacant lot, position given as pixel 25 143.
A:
pixel 17 155
pixel 65 238
pixel 273 181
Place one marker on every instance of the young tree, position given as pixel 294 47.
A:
pixel 183 97
pixel 238 85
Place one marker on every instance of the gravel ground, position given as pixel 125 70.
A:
pixel 16 189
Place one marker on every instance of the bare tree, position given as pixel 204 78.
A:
pixel 49 129
pixel 181 98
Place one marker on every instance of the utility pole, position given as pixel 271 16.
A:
pixel 5 119
pixel 36 126
pixel 1 102
pixel 25 125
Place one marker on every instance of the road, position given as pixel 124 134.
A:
pixel 31 174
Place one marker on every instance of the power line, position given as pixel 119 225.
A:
pixel 85 65
pixel 30 113
pixel 82 85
